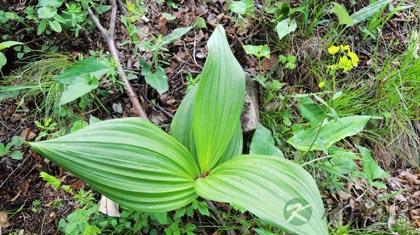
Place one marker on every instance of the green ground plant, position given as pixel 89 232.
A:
pixel 49 16
pixel 6 150
pixel 34 81
pixel 142 168
pixel 59 88
pixel 4 45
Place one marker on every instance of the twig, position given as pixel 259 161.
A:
pixel 160 108
pixel 218 216
pixel 123 9
pixel 109 37
pixel 113 18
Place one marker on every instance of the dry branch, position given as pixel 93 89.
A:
pixel 109 37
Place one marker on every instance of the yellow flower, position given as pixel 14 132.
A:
pixel 321 84
pixel 345 64
pixel 345 48
pixel 332 50
pixel 353 57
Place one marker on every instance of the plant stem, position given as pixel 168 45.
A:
pixel 218 216
pixel 109 37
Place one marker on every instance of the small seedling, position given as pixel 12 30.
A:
pixel 6 149
pixel 46 129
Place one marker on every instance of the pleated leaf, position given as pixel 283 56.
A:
pixel 278 191
pixel 181 125
pixel 131 161
pixel 181 129
pixel 219 101
pixel 235 147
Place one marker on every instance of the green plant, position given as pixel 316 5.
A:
pixel 15 154
pixel 8 23
pixel 47 128
pixel 326 129
pixel 259 51
pixel 34 82
pixel 371 170
pixel 36 206
pixel 77 222
pixel 4 45
pixel 83 77
pixel 347 61
pixel 136 164
pixel 282 16
pixel 242 7
pixel 154 74
pixel 49 18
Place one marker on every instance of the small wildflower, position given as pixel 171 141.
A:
pixel 347 61
pixel 345 64
pixel 353 57
pixel 333 50
pixel 345 48
pixel 321 84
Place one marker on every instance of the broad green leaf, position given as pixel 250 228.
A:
pixel 46 12
pixel 278 191
pixel 200 23
pixel 102 8
pixel 235 147
pixel 16 155
pixel 341 160
pixel 12 91
pixel 3 150
pixel 343 163
pixel 310 110
pixel 7 44
pixel 263 143
pixel 54 3
pixel 329 133
pixel 130 161
pixel 177 33
pixel 372 170
pixel 242 7
pixel 181 129
pixel 79 87
pixel 368 11
pixel 219 100
pixel 55 25
pixel 90 66
pixel 258 51
pixel 16 141
pixel 285 27
pixel 158 79
pixel 3 60
pixel 343 16
pixel 260 231
pixel 41 27
pixel 181 126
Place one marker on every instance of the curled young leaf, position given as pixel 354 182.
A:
pixel 219 100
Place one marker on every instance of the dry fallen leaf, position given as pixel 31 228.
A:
pixel 4 221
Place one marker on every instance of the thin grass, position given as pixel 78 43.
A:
pixel 34 80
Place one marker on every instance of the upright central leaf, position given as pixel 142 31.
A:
pixel 219 101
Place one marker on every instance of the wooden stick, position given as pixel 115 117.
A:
pixel 109 37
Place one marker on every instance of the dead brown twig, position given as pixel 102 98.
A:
pixel 109 37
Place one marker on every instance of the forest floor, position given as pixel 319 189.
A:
pixel 29 206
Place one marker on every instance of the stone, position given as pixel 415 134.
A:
pixel 250 117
